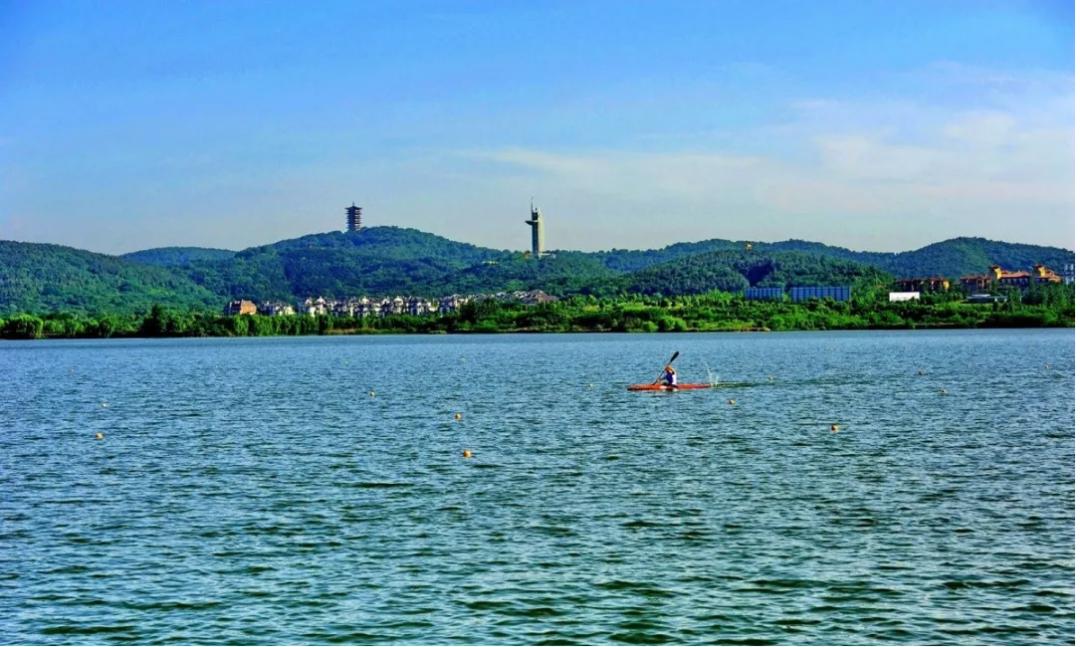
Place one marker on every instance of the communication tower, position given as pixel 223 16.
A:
pixel 537 223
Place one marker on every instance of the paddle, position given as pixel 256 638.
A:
pixel 657 380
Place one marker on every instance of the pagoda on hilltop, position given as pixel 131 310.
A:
pixel 352 218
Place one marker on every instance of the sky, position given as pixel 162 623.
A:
pixel 880 126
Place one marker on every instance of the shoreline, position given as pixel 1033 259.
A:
pixel 472 333
pixel 715 312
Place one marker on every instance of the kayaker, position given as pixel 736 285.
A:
pixel 670 378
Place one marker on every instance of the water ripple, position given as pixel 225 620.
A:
pixel 252 491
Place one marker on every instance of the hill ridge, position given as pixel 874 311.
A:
pixel 401 260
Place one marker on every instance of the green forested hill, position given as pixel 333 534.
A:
pixel 388 260
pixel 172 256
pixel 959 256
pixel 51 278
pixel 561 273
pixel 734 271
pixel 379 260
pixel 954 257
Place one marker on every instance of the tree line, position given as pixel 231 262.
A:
pixel 1041 306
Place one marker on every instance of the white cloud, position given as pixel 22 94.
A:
pixel 851 173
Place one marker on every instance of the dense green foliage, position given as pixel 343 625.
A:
pixel 953 258
pixel 173 256
pixel 379 260
pixel 51 278
pixel 713 311
pixel 384 261
pixel 733 271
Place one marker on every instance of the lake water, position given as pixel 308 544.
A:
pixel 255 491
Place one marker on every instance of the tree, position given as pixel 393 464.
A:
pixel 23 327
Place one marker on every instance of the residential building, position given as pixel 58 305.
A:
pixel 1043 274
pixel 275 309
pixel 419 307
pixel 450 304
pixel 923 284
pixel 241 307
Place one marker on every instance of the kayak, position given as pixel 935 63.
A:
pixel 664 387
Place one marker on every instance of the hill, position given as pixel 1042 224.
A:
pixel 49 278
pixel 959 256
pixel 378 260
pixel 382 261
pixel 735 271
pixel 172 256
pixel 953 258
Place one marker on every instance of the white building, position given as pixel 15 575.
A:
pixel 903 296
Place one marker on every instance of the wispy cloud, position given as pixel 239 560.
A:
pixel 863 172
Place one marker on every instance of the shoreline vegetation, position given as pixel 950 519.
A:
pixel 1050 306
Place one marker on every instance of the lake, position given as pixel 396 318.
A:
pixel 313 490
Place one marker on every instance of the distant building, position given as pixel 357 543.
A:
pixel 240 307
pixel 275 309
pixel 976 283
pixel 450 304
pixel 1039 274
pixel 763 294
pixel 533 297
pixel 313 307
pixel 1043 274
pixel 537 223
pixel 353 218
pixel 1018 279
pixel 903 296
pixel 419 307
pixel 923 284
pixel 836 293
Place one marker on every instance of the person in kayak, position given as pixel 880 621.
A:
pixel 670 377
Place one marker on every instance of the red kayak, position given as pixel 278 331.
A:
pixel 664 387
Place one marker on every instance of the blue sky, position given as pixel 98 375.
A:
pixel 873 125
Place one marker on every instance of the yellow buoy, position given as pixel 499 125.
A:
pixel 99 436
pixel 834 428
pixel 457 416
pixel 466 454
